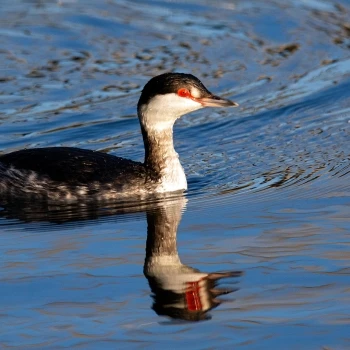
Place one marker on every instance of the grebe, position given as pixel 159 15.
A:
pixel 68 173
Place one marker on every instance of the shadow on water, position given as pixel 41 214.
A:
pixel 178 290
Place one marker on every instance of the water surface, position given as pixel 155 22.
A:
pixel 263 231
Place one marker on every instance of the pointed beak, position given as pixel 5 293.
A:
pixel 216 101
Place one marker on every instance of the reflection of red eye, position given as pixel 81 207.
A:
pixel 183 93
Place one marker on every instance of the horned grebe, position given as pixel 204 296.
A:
pixel 68 173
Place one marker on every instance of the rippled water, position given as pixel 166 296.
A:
pixel 263 233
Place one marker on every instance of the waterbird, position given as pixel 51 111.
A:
pixel 69 173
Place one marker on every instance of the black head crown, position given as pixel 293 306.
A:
pixel 171 83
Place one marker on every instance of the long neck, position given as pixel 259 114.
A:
pixel 159 147
pixel 160 155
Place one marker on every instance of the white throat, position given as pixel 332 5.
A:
pixel 162 111
pixel 173 175
pixel 157 119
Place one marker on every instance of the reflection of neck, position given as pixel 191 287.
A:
pixel 161 247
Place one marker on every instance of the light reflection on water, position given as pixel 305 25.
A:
pixel 268 183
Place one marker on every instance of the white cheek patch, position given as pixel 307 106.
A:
pixel 163 110
pixel 195 92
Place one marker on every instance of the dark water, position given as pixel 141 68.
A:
pixel 269 191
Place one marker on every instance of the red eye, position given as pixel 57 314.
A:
pixel 183 93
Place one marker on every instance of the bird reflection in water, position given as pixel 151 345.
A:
pixel 179 291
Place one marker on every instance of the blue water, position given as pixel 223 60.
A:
pixel 269 190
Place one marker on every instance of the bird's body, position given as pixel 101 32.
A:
pixel 67 173
pixel 71 173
